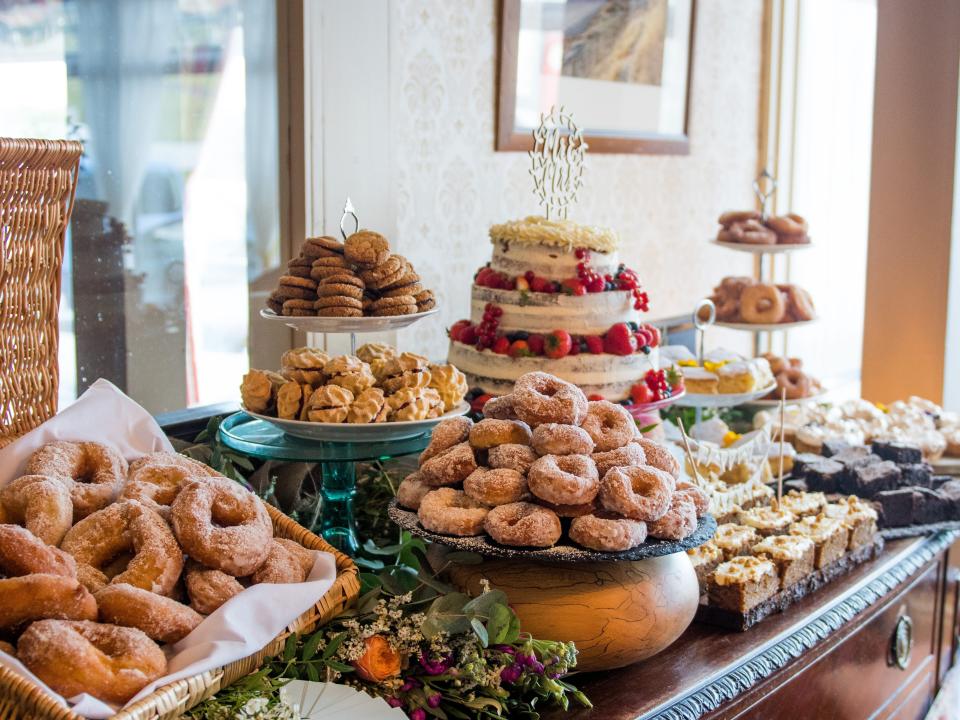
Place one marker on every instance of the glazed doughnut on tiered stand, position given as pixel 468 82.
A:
pixel 335 447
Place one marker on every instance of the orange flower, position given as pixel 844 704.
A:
pixel 379 662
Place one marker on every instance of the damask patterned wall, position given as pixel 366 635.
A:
pixel 452 186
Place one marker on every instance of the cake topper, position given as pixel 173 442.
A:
pixel 557 161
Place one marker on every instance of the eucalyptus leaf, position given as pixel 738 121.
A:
pixel 480 631
pixel 388 550
pixel 368 563
pixel 503 626
pixel 481 604
pixel 446 615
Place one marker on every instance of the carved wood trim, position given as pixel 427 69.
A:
pixel 733 684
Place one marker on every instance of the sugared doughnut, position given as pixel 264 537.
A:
pixel 451 512
pixel 411 491
pixel 208 589
pixel 23 553
pixel 678 522
pixel 540 398
pixel 489 433
pixel 639 493
pixel 500 408
pixel 690 493
pixel 799 303
pixel 97 472
pixel 564 479
pixel 449 467
pixel 795 382
pixel 287 562
pixel 514 457
pixel 158 617
pixel 72 657
pixel 39 596
pixel 126 526
pixel 571 511
pixel 557 439
pixel 607 532
pixel 629 454
pixel 162 458
pixel 496 487
pixel 155 479
pixel 446 434
pixel 523 524
pixel 659 456
pixel 609 424
pixel 41 504
pixel 762 304
pixel 222 525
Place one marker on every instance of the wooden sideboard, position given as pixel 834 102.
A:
pixel 874 644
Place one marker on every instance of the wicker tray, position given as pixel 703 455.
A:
pixel 20 698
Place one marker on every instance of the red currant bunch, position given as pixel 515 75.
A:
pixel 487 329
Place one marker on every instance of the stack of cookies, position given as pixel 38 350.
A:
pixel 356 278
pixel 378 384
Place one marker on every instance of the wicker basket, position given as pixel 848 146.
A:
pixel 38 179
pixel 21 699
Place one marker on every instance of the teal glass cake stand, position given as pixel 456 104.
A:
pixel 262 440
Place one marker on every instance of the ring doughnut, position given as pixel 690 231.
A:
pixel 688 492
pixel 514 457
pixel 523 524
pixel 450 466
pixel 626 456
pixel 447 434
pixel 157 484
pixel 762 304
pixel 606 532
pixel 738 216
pixel 411 491
pixel 799 303
pixel 789 225
pixel 287 562
pixel 158 617
pixel 557 439
pixel 540 398
pixel 125 526
pixel 164 458
pixel 23 553
pixel 499 486
pixel 500 408
pixel 451 512
pixel 72 657
pixel 564 479
pixel 678 522
pixel 221 525
pixel 609 424
pixel 795 382
pixel 639 493
pixel 38 596
pixel 41 504
pixel 571 511
pixel 97 472
pixel 659 457
pixel 489 433
pixel 208 589
pixel 7 648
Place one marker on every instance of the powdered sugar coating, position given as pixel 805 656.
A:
pixel 558 439
pixel 540 398
pixel 445 435
pixel 523 524
pixel 23 553
pixel 38 596
pixel 498 486
pixel 287 562
pixel 41 504
pixel 608 533
pixel 659 457
pixel 512 456
pixel 208 589
pixel 450 466
pixel 564 479
pixel 679 521
pixel 609 424
pixel 97 471
pixel 158 617
pixel 451 512
pixel 626 456
pixel 639 493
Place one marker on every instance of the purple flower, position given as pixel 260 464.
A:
pixel 536 667
pixel 434 700
pixel 434 667
pixel 505 649
pixel 394 701
pixel 418 714
pixel 409 684
pixel 553 676
pixel 511 673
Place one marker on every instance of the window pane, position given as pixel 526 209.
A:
pixel 177 209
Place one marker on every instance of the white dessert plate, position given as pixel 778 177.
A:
pixel 762 403
pixel 705 400
pixel 352 432
pixel 638 410
pixel 771 327
pixel 761 249
pixel 347 325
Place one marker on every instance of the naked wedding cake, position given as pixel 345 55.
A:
pixel 555 297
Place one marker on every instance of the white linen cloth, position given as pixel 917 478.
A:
pixel 242 626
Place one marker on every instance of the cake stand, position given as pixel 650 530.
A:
pixel 335 449
pixel 619 608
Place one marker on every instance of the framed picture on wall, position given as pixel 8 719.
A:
pixel 620 67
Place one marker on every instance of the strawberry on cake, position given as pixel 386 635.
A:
pixel 556 298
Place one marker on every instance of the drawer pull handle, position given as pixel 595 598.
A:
pixel 902 642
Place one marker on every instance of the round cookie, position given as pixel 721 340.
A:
pixel 298 308
pixel 366 248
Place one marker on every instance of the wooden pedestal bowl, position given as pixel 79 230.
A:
pixel 617 613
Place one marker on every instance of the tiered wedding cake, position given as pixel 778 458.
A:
pixel 554 297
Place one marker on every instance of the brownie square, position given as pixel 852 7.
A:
pixel 832 446
pixel 950 491
pixel 933 507
pixel 897 452
pixel 801 461
pixel 853 454
pixel 823 475
pixel 899 506
pixel 915 474
pixel 867 480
